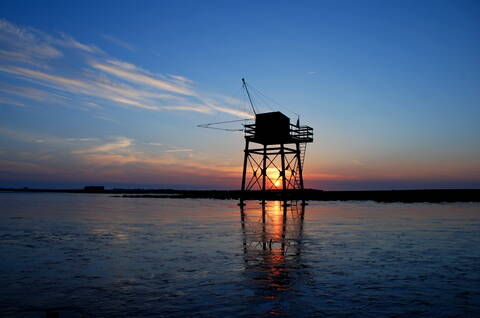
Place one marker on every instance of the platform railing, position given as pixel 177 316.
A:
pixel 297 133
pixel 301 133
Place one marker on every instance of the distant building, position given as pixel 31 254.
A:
pixel 94 188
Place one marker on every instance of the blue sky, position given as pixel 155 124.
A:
pixel 111 92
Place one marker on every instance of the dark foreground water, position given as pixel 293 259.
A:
pixel 93 255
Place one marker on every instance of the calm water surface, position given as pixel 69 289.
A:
pixel 95 255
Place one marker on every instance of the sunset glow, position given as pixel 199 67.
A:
pixel 84 99
pixel 208 158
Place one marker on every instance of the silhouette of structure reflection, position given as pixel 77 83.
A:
pixel 272 247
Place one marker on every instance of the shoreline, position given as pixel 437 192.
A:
pixel 404 196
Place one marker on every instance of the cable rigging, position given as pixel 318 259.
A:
pixel 261 98
pixel 209 125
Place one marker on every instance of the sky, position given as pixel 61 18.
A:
pixel 111 92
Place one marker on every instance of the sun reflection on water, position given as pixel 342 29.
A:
pixel 272 241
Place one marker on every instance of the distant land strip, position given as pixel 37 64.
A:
pixel 406 196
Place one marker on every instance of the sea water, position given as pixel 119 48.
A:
pixel 81 255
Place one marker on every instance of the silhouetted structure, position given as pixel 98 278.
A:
pixel 277 164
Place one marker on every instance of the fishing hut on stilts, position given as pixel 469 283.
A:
pixel 274 155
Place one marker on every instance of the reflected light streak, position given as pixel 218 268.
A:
pixel 272 240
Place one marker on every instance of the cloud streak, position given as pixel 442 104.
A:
pixel 39 69
pixel 122 154
pixel 179 150
pixel 119 143
pixel 10 102
pixel 118 42
pixel 24 44
pixel 38 59
pixel 131 73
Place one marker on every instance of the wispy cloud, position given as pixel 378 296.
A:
pixel 36 137
pixel 226 104
pixel 93 105
pixel 154 144
pixel 23 93
pixel 193 108
pixel 10 102
pixel 118 42
pixel 114 159
pixel 122 152
pixel 40 69
pixel 179 150
pixel 106 118
pixel 38 59
pixel 130 73
pixel 24 45
pixel 81 139
pixel 231 111
pixel 119 143
pixel 68 41
pixel 181 79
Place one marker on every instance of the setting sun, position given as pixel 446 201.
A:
pixel 274 175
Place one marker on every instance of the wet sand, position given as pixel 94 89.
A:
pixel 84 255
